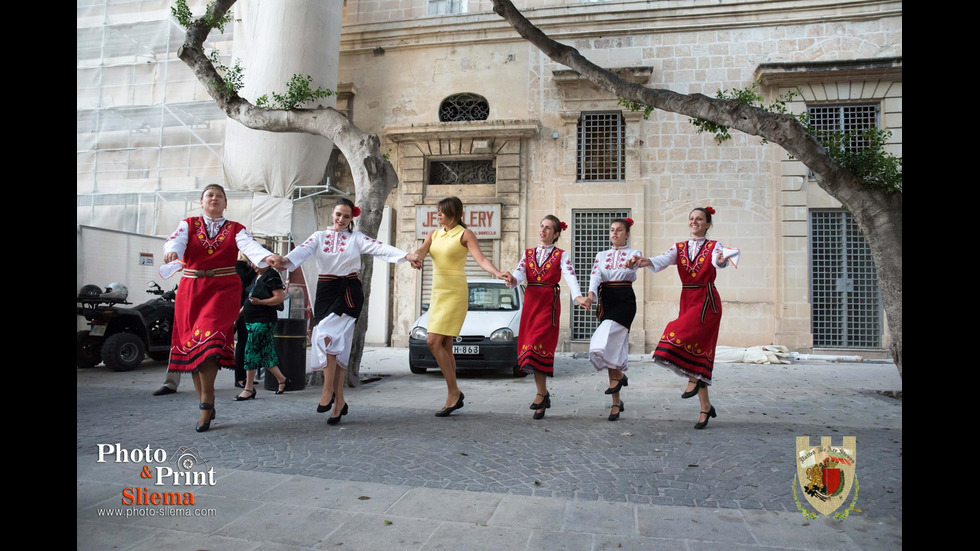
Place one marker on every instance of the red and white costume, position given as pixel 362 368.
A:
pixel 611 283
pixel 687 345
pixel 338 296
pixel 208 295
pixel 542 268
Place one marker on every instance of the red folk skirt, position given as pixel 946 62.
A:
pixel 687 345
pixel 207 300
pixel 539 328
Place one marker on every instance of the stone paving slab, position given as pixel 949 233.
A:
pixel 491 474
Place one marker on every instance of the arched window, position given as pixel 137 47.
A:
pixel 464 107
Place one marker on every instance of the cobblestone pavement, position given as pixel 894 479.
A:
pixel 651 456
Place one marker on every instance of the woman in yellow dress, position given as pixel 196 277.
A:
pixel 448 246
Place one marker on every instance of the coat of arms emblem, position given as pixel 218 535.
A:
pixel 825 472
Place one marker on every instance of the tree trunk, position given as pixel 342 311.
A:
pixel 374 177
pixel 878 214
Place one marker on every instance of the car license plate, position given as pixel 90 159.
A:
pixel 466 349
pixel 97 330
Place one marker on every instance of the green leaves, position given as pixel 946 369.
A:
pixel 299 91
pixel 233 77
pixel 863 153
pixel 182 14
pixel 636 106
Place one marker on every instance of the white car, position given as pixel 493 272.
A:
pixel 488 338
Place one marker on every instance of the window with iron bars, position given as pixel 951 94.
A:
pixel 849 121
pixel 845 305
pixel 590 236
pixel 464 107
pixel 601 153
pixel 462 172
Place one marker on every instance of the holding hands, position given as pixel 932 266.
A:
pixel 275 261
pixel 508 278
pixel 415 260
pixel 584 302
pixel 638 262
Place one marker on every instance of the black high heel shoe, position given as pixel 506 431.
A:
pixel 622 408
pixel 335 420
pixel 710 413
pixel 444 412
pixel 540 407
pixel 239 397
pixel 326 408
pixel 546 403
pixel 694 391
pixel 283 385
pixel 201 427
pixel 623 381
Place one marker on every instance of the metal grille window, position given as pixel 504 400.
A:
pixel 590 236
pixel 446 7
pixel 844 300
pixel 601 147
pixel 850 119
pixel 462 172
pixel 464 107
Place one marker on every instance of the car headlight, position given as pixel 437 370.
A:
pixel 502 335
pixel 418 333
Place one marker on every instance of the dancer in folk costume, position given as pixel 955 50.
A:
pixel 449 301
pixel 205 307
pixel 542 267
pixel 339 296
pixel 687 345
pixel 612 283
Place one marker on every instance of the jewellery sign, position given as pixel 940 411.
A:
pixel 826 475
pixel 482 220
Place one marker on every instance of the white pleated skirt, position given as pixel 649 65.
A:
pixel 333 336
pixel 610 346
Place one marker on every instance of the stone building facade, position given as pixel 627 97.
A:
pixel 543 140
pixel 836 54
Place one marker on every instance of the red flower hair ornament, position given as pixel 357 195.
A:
pixel 563 226
pixel 710 210
pixel 356 211
pixel 629 222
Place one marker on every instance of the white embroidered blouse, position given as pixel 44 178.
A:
pixel 610 265
pixel 339 252
pixel 694 245
pixel 177 242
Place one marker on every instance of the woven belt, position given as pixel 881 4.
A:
pixel 217 272
pixel 348 299
pixel 599 311
pixel 709 297
pixel 554 302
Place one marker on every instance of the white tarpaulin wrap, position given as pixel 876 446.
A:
pixel 769 354
pixel 275 40
pixel 303 225
pixel 270 215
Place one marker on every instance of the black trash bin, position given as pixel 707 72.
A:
pixel 290 343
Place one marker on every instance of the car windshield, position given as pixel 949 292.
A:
pixel 492 296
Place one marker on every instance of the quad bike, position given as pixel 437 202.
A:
pixel 118 335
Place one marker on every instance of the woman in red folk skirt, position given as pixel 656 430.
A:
pixel 687 345
pixel 208 296
pixel 542 267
